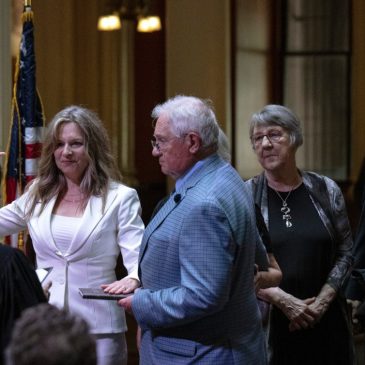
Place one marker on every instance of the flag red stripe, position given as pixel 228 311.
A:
pixel 11 187
pixel 33 150
pixel 29 178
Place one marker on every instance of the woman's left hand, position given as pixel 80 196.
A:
pixel 323 300
pixel 319 308
pixel 124 286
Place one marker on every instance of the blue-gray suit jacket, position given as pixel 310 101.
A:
pixel 198 304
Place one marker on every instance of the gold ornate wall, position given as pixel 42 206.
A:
pixel 76 64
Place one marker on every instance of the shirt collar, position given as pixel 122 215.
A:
pixel 181 180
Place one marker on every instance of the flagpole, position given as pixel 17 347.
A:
pixel 27 122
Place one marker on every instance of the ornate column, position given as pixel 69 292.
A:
pixel 126 129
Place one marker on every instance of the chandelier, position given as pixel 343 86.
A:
pixel 136 10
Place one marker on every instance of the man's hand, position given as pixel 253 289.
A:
pixel 126 303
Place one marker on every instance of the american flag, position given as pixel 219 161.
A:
pixel 27 121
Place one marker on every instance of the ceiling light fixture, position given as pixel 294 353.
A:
pixel 136 10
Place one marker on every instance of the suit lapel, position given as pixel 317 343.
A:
pixel 161 215
pixel 90 219
pixel 44 224
pixel 212 163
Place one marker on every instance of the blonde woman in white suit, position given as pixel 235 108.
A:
pixel 80 218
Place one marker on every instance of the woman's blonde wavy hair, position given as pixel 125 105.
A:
pixel 102 168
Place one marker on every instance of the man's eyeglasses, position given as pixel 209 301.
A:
pixel 160 143
pixel 272 136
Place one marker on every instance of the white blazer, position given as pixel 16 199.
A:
pixel 92 255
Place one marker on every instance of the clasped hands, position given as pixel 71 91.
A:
pixel 302 313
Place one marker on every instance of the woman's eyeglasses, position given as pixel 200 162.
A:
pixel 272 136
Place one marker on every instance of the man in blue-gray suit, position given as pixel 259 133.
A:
pixel 197 303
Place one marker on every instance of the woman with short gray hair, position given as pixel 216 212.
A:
pixel 279 115
pixel 311 239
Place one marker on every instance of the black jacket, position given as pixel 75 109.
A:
pixel 19 289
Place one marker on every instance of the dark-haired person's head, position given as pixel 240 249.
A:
pixel 46 335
